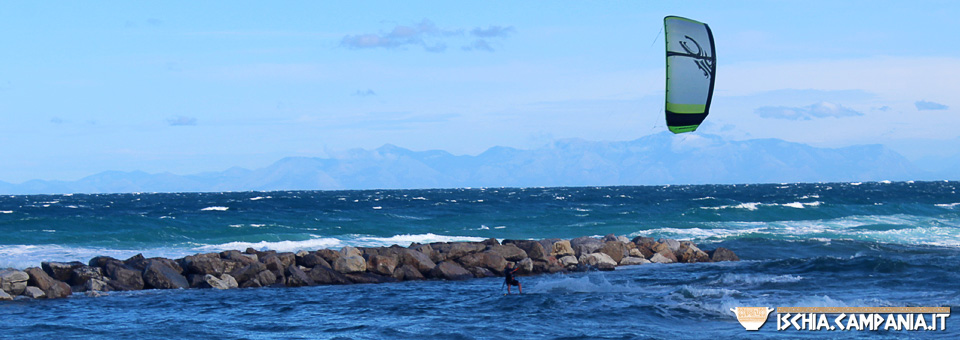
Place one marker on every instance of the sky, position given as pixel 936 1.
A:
pixel 188 87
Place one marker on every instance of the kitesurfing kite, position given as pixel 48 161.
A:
pixel 691 70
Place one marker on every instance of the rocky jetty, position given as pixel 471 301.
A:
pixel 252 268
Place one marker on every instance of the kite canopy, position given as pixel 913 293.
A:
pixel 691 68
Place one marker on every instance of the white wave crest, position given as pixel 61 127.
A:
pixel 281 246
pixel 216 208
pixel 406 239
pixel 755 279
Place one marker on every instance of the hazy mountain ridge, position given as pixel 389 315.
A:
pixel 657 159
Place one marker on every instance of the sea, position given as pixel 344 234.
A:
pixel 870 244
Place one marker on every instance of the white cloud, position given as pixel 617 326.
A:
pixel 923 105
pixel 818 110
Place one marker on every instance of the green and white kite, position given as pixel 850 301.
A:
pixel 691 70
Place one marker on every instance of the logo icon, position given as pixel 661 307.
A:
pixel 752 318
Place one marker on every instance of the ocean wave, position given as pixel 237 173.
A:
pixel 280 246
pixel 752 206
pixel 215 208
pixel 406 239
pixel 755 279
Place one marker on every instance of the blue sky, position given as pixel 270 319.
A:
pixel 187 87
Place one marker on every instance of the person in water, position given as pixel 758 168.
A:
pixel 509 280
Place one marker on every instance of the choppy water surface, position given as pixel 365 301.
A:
pixel 831 244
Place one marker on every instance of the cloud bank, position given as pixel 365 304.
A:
pixel 924 105
pixel 428 36
pixel 819 110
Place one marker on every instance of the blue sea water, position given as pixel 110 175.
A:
pixel 876 244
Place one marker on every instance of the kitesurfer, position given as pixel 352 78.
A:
pixel 509 280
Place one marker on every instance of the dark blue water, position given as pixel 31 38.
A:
pixel 827 245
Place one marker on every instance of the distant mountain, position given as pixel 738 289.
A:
pixel 657 159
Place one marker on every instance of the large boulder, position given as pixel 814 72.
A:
pixel 310 260
pixel 569 260
pixel 248 272
pixel 328 255
pixel 510 252
pixel 203 265
pixel 369 278
pixel 689 253
pixel 598 260
pixel 382 264
pixel 4 296
pixel 297 277
pixel 123 277
pixel 456 250
pixel 723 254
pixel 487 259
pixel 615 249
pixel 160 275
pixel 585 245
pixel 407 273
pixel 97 285
pixel 266 278
pixel 272 262
pixel 103 261
pixel 52 288
pixel 417 260
pixel 526 266
pixel 326 276
pixel 428 250
pixel 547 244
pixel 13 281
pixel 350 264
pixel 60 270
pixel 449 270
pixel 533 249
pixel 674 245
pixel 659 258
pixel 218 283
pixel 237 256
pixel 34 292
pixel 562 248
pixel 80 275
pixel 548 265
pixel 632 261
pixel 350 251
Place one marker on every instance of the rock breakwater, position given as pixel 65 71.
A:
pixel 348 265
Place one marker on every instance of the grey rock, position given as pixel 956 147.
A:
pixel 350 264
pixel 80 275
pixel 585 245
pixel 569 260
pixel 33 292
pixel 60 270
pixel 674 245
pixel 659 258
pixel 509 252
pixel 723 254
pixel 297 277
pixel 310 260
pixel 350 251
pixel 51 287
pixel 382 264
pixel 4 296
pixel 407 273
pixel 598 260
pixel 533 249
pixel 487 259
pixel 203 265
pixel 324 275
pixel 615 249
pixel 449 270
pixel 369 278
pixel 632 261
pixel 160 275
pixel 13 281
pixel 562 248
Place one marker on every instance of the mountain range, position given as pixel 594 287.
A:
pixel 652 160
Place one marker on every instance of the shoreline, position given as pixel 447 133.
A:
pixel 251 268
